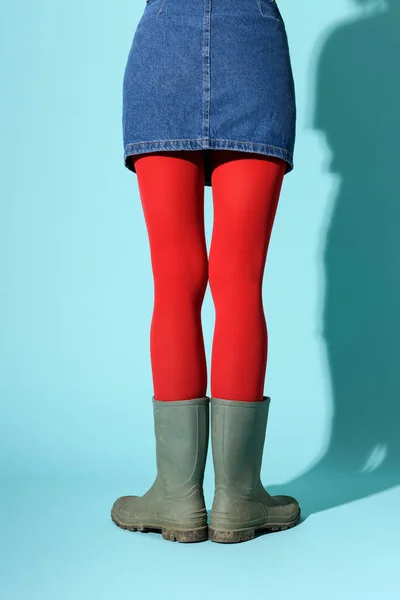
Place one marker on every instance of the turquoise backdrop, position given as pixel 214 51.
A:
pixel 76 305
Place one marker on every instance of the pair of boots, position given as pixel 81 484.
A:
pixel 175 503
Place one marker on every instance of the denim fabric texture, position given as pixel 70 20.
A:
pixel 209 74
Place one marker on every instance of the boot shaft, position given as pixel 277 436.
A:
pixel 238 434
pixel 182 434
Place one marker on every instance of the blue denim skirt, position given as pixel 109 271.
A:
pixel 209 74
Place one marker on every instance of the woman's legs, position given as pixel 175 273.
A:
pixel 245 193
pixel 246 190
pixel 171 188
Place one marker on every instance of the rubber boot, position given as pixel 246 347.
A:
pixel 241 505
pixel 174 504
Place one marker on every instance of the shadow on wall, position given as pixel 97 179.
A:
pixel 358 109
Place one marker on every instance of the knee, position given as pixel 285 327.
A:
pixel 183 277
pixel 235 281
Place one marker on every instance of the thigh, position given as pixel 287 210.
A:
pixel 245 190
pixel 171 188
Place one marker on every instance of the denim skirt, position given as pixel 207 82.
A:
pixel 209 74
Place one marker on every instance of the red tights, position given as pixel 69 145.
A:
pixel 245 192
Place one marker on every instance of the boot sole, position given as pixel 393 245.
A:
pixel 199 534
pixel 233 536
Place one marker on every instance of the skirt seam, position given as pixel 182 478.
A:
pixel 171 141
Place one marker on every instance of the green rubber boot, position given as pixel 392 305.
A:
pixel 174 504
pixel 241 504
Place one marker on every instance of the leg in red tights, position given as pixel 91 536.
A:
pixel 171 186
pixel 246 190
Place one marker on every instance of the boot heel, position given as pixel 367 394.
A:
pixel 230 536
pixel 189 535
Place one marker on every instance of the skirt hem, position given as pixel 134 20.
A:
pixel 206 144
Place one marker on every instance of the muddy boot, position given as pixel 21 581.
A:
pixel 241 505
pixel 174 504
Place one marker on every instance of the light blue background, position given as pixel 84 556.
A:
pixel 76 304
